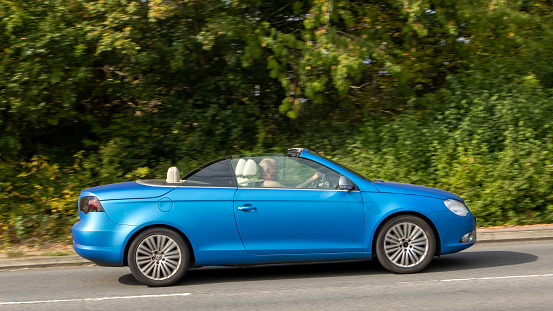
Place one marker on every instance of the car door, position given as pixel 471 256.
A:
pixel 313 218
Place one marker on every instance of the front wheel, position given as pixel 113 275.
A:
pixel 158 257
pixel 405 244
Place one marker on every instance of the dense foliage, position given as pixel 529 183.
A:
pixel 451 94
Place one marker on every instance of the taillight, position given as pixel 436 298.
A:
pixel 90 205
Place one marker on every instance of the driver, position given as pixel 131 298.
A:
pixel 269 171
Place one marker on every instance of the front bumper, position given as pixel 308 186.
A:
pixel 451 229
pixel 99 240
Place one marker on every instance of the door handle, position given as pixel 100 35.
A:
pixel 247 208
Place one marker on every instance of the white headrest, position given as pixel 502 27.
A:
pixel 173 175
pixel 240 167
pixel 250 169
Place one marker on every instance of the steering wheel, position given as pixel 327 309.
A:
pixel 318 182
pixel 325 183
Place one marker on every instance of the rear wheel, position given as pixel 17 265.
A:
pixel 158 257
pixel 405 244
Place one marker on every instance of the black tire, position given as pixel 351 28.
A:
pixel 405 244
pixel 158 257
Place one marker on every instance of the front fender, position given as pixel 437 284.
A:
pixel 380 206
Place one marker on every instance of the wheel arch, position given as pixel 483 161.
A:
pixel 423 217
pixel 179 232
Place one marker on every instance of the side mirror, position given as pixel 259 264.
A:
pixel 344 183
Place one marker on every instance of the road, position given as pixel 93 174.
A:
pixel 488 276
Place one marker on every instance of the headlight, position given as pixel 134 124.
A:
pixel 456 207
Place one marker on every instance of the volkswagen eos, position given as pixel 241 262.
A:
pixel 267 208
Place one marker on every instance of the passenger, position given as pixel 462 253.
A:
pixel 269 172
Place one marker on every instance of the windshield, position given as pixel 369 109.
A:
pixel 342 166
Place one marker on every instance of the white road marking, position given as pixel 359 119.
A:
pixel 91 299
pixel 187 294
pixel 486 278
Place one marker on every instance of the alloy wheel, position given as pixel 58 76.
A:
pixel 158 257
pixel 406 244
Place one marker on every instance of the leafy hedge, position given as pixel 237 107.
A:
pixel 493 149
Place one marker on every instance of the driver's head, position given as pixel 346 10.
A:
pixel 269 169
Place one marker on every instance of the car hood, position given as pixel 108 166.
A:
pixel 126 190
pixel 395 187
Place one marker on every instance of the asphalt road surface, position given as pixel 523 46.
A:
pixel 499 276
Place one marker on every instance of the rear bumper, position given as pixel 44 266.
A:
pixel 99 240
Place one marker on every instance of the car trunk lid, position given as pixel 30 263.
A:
pixel 126 190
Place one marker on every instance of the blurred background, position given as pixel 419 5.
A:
pixel 449 94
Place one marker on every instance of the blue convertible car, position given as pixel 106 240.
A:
pixel 267 208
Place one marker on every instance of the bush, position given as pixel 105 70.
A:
pixel 38 199
pixel 493 149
